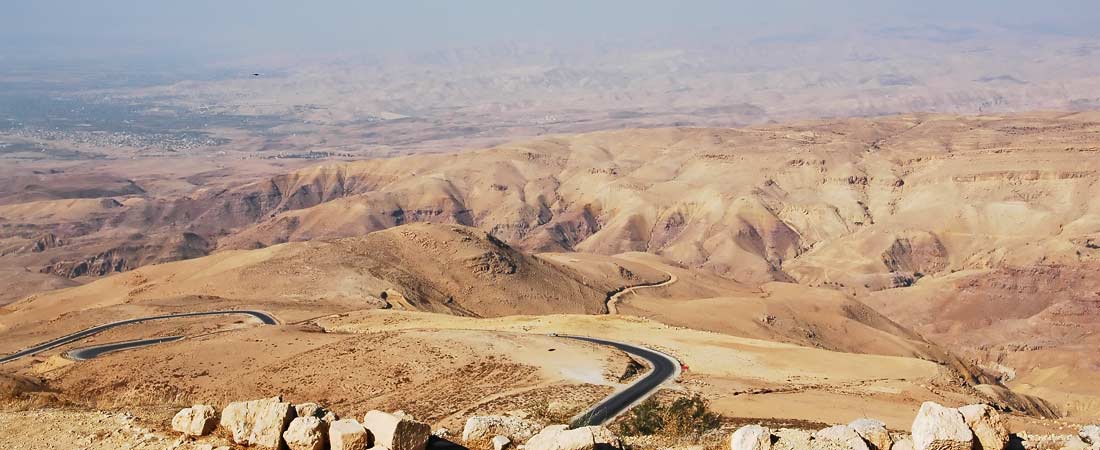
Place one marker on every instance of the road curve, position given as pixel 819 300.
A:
pixel 86 353
pixel 613 299
pixel 266 318
pixel 665 368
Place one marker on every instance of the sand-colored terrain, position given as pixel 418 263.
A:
pixel 740 375
pixel 445 268
pixel 54 428
pixel 817 271
pixel 439 376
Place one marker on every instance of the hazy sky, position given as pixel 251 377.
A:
pixel 211 28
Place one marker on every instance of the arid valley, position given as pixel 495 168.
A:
pixel 632 246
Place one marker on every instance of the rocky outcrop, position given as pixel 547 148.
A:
pixel 873 432
pixel 306 433
pixel 198 420
pixel 940 428
pixel 973 427
pixel 987 425
pixel 347 434
pixel 270 423
pixel 43 242
pixel 1015 401
pixel 314 410
pixel 397 432
pixel 560 437
pixel 839 437
pixel 751 437
pixel 479 428
pixel 257 422
pixel 97 265
pixel 1090 434
pixel 500 442
pixel 915 252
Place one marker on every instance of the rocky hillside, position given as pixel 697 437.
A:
pixel 273 423
pixel 903 212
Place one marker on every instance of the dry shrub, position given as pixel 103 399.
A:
pixel 682 419
pixel 544 412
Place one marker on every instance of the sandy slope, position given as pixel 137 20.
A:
pixel 729 370
pixel 440 376
pixel 978 233
pixel 442 268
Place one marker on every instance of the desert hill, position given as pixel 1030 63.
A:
pixel 854 204
pixel 910 195
pixel 464 271
pixel 441 268
pixel 973 231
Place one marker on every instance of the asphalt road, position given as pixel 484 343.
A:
pixel 86 353
pixel 613 300
pixel 68 339
pixel 664 368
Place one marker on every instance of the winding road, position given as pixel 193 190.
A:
pixel 613 299
pixel 665 368
pixel 92 352
pixel 86 353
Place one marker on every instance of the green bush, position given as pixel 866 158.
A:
pixel 683 417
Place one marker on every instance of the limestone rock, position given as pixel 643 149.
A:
pixel 987 425
pixel 940 428
pixel 500 442
pixel 903 443
pixel 791 439
pixel 604 437
pixel 873 431
pixel 305 433
pixel 560 437
pixel 313 410
pixel 484 427
pixel 839 437
pixel 1090 434
pixel 347 434
pixel 270 424
pixel 397 432
pixel 1074 443
pixel 198 420
pixel 751 437
pixel 239 418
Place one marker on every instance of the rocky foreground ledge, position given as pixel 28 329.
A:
pixel 274 424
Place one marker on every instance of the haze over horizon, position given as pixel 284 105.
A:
pixel 552 225
pixel 208 30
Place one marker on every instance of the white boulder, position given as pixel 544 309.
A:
pixel 940 428
pixel 751 437
pixel 198 420
pixel 397 431
pixel 987 425
pixel 500 442
pixel 239 418
pixel 347 434
pixel 270 424
pixel 560 437
pixel 873 431
pixel 1090 434
pixel 480 428
pixel 305 433
pixel 313 409
pixel 839 437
